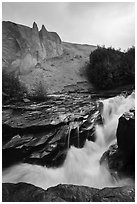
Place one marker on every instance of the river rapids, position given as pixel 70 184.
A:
pixel 82 166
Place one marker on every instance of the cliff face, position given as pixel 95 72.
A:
pixel 24 47
pixel 41 58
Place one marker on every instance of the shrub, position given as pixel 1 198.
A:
pixel 12 86
pixel 128 65
pixel 40 93
pixel 109 68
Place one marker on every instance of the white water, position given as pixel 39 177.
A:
pixel 81 166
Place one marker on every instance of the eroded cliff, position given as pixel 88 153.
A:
pixel 41 58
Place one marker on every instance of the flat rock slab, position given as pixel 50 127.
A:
pixel 53 111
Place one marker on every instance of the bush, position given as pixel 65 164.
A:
pixel 40 93
pixel 109 68
pixel 128 63
pixel 11 86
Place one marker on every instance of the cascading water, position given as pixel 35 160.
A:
pixel 82 166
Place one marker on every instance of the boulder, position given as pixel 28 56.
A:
pixel 126 137
pixel 119 194
pixel 121 156
pixel 23 192
pixel 71 193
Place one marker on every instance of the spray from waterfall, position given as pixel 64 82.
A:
pixel 82 166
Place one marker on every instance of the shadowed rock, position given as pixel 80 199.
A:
pixel 47 136
pixel 23 192
pixel 119 194
pixel 121 156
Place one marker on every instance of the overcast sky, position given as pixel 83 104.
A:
pixel 110 24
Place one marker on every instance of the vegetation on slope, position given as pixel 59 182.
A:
pixel 39 94
pixel 11 86
pixel 110 68
pixel 13 89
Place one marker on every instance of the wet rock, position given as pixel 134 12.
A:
pixel 41 133
pixel 8 132
pixel 126 137
pixel 119 194
pixel 39 148
pixel 72 193
pixel 26 100
pixel 126 143
pixel 78 138
pixel 23 192
pixel 121 156
pixel 113 160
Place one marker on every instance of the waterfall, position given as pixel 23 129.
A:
pixel 82 166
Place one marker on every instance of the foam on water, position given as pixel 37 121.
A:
pixel 82 166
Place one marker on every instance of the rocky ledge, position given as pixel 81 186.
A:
pixel 23 192
pixel 42 133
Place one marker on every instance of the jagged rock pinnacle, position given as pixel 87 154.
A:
pixel 35 27
pixel 43 29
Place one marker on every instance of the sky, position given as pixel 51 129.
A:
pixel 95 23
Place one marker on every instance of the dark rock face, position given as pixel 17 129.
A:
pixel 121 194
pixel 121 156
pixel 23 192
pixel 71 193
pixel 126 137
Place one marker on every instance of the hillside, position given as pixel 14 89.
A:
pixel 40 57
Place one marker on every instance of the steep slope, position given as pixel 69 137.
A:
pixel 40 57
pixel 24 47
